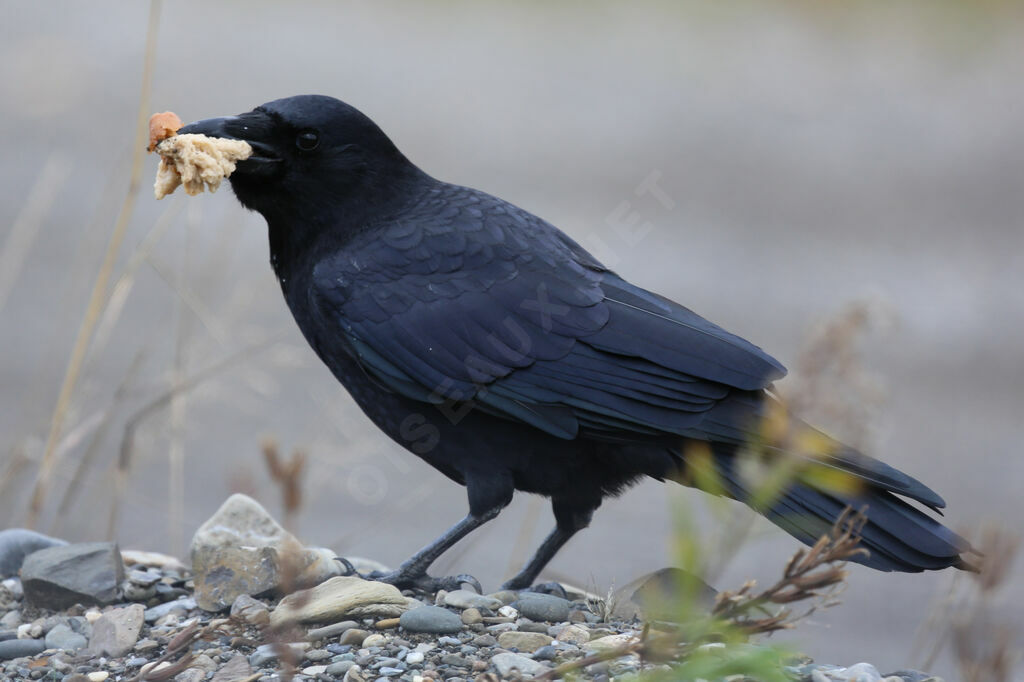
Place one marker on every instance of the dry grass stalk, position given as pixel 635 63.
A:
pixel 288 476
pixel 983 644
pixel 99 289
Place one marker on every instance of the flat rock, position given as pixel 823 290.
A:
pixel 117 631
pixel 466 599
pixel 16 648
pixel 506 663
pixel 536 606
pixel 60 576
pixel 523 641
pixel 241 549
pixel 18 543
pixel 431 619
pixel 610 642
pixel 339 597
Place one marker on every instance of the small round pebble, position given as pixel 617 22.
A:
pixel 431 619
pixel 543 607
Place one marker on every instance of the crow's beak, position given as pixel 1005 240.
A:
pixel 255 128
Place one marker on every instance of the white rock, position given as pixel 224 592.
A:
pixel 414 657
pixel 508 612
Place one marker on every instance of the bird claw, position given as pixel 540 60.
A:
pixel 350 570
pixel 449 583
pixel 422 582
pixel 553 588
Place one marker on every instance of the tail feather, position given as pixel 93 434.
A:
pixel 898 536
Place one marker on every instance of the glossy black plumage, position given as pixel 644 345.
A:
pixel 493 346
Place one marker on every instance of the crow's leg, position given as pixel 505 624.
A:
pixel 569 520
pixel 487 497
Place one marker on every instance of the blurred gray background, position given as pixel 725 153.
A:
pixel 814 154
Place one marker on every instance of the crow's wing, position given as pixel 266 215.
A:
pixel 466 297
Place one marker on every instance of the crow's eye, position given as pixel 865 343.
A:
pixel 307 140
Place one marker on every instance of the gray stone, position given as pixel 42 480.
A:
pixel 523 641
pixel 910 675
pixel 13 586
pixel 250 610
pixel 543 607
pixel 466 599
pixel 160 610
pixel 190 675
pixel 545 653
pixel 116 631
pixel 241 549
pixel 18 543
pixel 339 669
pixel 86 573
pixel 860 672
pixel 237 668
pixel 332 630
pixel 432 619
pixel 63 637
pixel 505 663
pixel 17 648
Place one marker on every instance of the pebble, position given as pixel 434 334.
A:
pixel 574 634
pixel 505 663
pixel 472 616
pixel 330 631
pixel 415 657
pixel 117 631
pixel 63 637
pixel 17 648
pixel 151 615
pixel 523 641
pixel 339 669
pixel 544 607
pixel 466 599
pixel 376 639
pixel 431 619
pixel 353 636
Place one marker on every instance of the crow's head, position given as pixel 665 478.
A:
pixel 313 157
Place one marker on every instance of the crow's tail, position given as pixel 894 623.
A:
pixel 899 536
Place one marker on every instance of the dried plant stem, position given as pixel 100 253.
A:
pixel 99 289
pixel 26 226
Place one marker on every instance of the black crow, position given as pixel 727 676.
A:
pixel 490 344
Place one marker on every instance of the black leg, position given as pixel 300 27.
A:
pixel 413 572
pixel 569 521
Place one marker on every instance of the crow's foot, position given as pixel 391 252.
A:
pixel 415 580
pixel 551 588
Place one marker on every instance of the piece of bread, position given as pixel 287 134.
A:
pixel 196 161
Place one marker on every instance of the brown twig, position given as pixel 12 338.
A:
pixel 810 574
